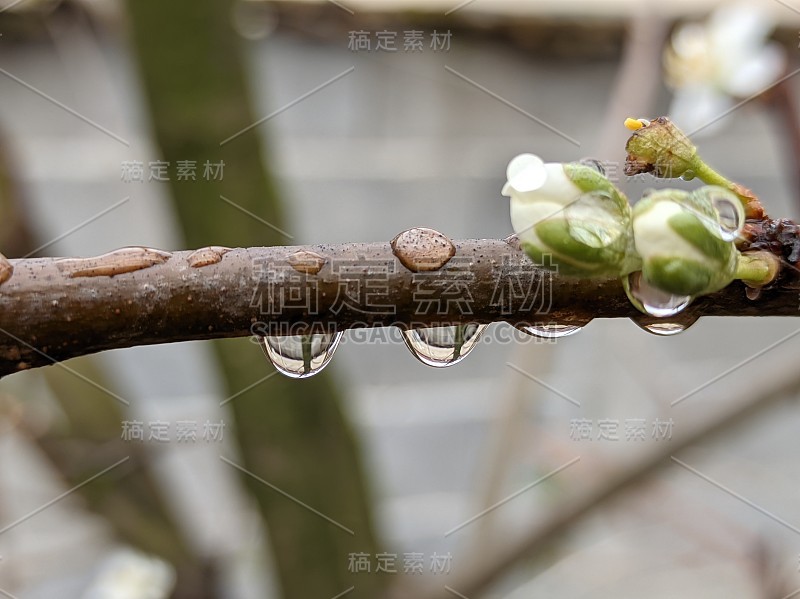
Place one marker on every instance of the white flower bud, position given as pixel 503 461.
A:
pixel 571 213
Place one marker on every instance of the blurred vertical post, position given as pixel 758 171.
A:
pixel 292 434
pixel 87 436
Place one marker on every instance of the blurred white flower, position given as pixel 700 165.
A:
pixel 711 65
pixel 128 574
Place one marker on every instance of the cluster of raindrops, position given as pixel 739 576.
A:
pixel 419 250
pixel 303 356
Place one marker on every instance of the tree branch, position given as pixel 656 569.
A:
pixel 54 309
pixel 765 391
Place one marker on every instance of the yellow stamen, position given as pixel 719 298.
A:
pixel 634 124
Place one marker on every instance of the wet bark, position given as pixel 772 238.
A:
pixel 49 315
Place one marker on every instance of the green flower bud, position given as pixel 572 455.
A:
pixel 570 213
pixel 686 244
pixel 660 148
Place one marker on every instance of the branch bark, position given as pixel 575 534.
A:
pixel 55 309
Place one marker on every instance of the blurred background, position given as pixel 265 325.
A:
pixel 193 470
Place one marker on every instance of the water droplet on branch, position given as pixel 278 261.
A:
pixel 655 302
pixel 729 216
pixel 423 250
pixel 300 356
pixel 551 330
pixel 443 346
pixel 6 269
pixel 207 256
pixel 666 329
pixel 752 293
pixel 307 262
pixel 688 176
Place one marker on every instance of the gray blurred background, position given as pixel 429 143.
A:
pixel 400 141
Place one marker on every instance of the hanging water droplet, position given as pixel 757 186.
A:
pixel 729 217
pixel 443 346
pixel 551 330
pixel 667 328
pixel 300 356
pixel 664 329
pixel 654 301
pixel 688 176
pixel 752 293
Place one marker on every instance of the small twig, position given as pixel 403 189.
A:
pixel 754 399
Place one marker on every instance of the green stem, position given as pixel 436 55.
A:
pixel 752 206
pixel 711 177
pixel 757 269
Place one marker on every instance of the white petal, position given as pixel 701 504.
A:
pixel 696 109
pixel 654 239
pixel 690 40
pixel 739 28
pixel 526 172
pixel 521 162
pixel 558 188
pixel 529 208
pixel 757 72
pixel 526 215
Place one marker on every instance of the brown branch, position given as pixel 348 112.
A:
pixel 55 309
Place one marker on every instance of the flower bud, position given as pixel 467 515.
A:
pixel 569 216
pixel 686 240
pixel 660 148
